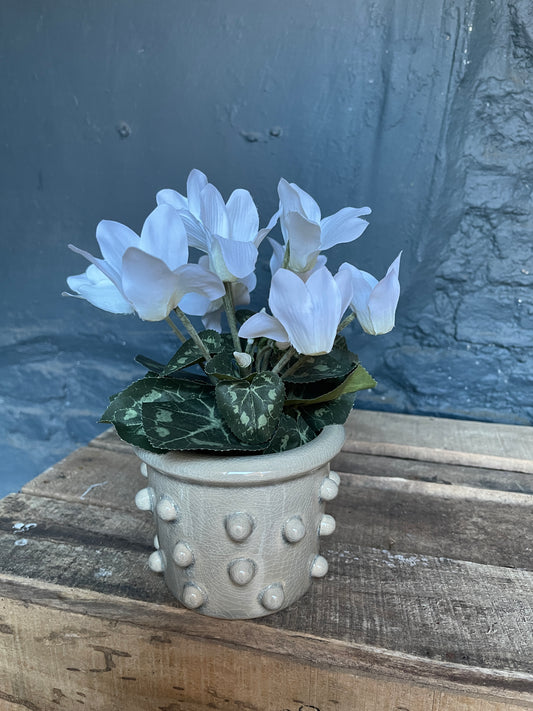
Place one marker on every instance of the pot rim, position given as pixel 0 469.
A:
pixel 221 470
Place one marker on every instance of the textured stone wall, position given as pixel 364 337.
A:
pixel 421 110
pixel 469 351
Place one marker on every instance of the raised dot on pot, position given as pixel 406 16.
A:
pixel 336 478
pixel 327 525
pixel 156 562
pixel 144 499
pixel 272 597
pixel 239 526
pixel 293 529
pixel 319 567
pixel 328 489
pixel 241 570
pixel 193 596
pixel 166 509
pixel 182 555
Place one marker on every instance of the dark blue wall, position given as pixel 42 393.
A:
pixel 421 110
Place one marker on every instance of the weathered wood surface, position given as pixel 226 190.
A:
pixel 433 439
pixel 427 606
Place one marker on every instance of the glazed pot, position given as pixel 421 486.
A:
pixel 238 536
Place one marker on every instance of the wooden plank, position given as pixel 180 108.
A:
pixel 28 517
pixel 432 439
pixel 412 603
pixel 381 466
pixel 124 654
pixel 95 475
pixel 423 518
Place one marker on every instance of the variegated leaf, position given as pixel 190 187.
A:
pixel 252 409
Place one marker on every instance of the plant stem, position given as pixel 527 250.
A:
pixel 347 321
pixel 294 367
pixel 285 358
pixel 250 346
pixel 230 315
pixel 192 332
pixel 176 330
pixel 260 356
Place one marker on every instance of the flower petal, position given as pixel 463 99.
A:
pixel 264 232
pixel 98 290
pixel 309 311
pixel 344 226
pixel 213 211
pixel 148 283
pixel 384 300
pixel 362 285
pixel 163 235
pixel 345 286
pixel 232 260
pixel 294 199
pixel 195 304
pixel 310 206
pixel 101 264
pixel 327 302
pixel 243 217
pixel 303 237
pixel 196 182
pixel 263 325
pixel 200 281
pixel 197 234
pixel 212 320
pixel 114 239
pixel 278 252
pixel 172 198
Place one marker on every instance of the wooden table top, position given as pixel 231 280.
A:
pixel 430 568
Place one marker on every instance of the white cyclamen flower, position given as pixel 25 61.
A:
pixel 228 232
pixel 374 302
pixel 305 313
pixel 305 232
pixel 188 207
pixel 150 272
pixel 97 289
pixel 211 310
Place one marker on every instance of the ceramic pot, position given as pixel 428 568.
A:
pixel 238 537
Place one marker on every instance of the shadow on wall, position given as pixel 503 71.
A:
pixel 420 111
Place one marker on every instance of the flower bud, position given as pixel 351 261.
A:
pixel 243 359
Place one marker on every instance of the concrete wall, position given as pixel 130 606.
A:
pixel 420 109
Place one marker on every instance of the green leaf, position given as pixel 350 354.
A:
pixel 152 365
pixel 223 366
pixel 291 433
pixel 334 412
pixel 358 379
pixel 125 409
pixel 189 353
pixel 252 409
pixel 191 424
pixel 336 364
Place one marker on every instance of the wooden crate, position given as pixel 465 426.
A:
pixel 427 605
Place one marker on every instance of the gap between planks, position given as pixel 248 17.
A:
pixel 437 490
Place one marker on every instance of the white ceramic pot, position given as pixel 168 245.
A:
pixel 238 537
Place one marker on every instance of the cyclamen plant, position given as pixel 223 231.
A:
pixel 275 380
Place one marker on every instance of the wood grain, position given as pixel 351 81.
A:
pixel 396 598
pixel 100 642
pixel 427 605
pixel 451 474
pixel 441 440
